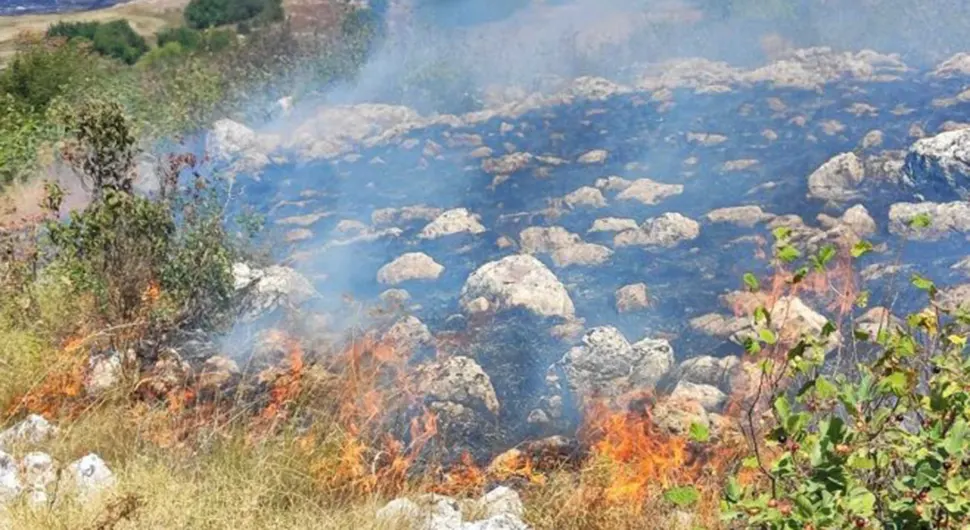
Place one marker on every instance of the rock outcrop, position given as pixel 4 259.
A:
pixel 666 230
pixel 410 266
pixel 519 281
pixel 837 179
pixel 939 166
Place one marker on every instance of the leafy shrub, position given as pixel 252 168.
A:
pixel 169 53
pixel 40 73
pixel 201 14
pixel 883 447
pixel 73 30
pixel 118 40
pixel 155 264
pixel 187 38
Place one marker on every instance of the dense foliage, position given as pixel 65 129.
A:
pixel 200 14
pixel 114 39
pixel 882 446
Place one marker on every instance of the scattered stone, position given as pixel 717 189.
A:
pixel 410 266
pixel 395 297
pixel 667 230
pixel 945 219
pixel 105 371
pixel 606 365
pixel 717 325
pixel 649 192
pixel 481 152
pixel 217 372
pixel 872 139
pixel 89 476
pixel 272 287
pixel 837 179
pixel 738 165
pixel 955 298
pixel 586 254
pixel 956 66
pixel 706 139
pixel 456 221
pixel 632 298
pixel 297 235
pixel 856 219
pixel 613 224
pixel 708 396
pixel 506 165
pixel 502 500
pixel 39 473
pixel 516 281
pixel 458 380
pixel 940 165
pixel 302 221
pixel 676 416
pixel 612 183
pixel 769 134
pixel 743 216
pixel 586 196
pixel 10 485
pixel 34 429
pixel 399 216
pixel 708 370
pixel 408 334
pixel 597 156
pixel 545 240
pixel 878 319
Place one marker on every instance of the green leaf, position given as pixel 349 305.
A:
pixel 896 382
pixel 861 502
pixel 751 281
pixel 860 463
pixel 683 496
pixel 788 253
pixel 699 432
pixel 922 220
pixel 767 336
pixel 782 232
pixel 923 283
pixel 956 437
pixel 782 408
pixel 824 389
pixel 750 462
pixel 861 248
pixel 732 490
pixel 824 256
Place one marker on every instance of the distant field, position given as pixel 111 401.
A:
pixel 146 16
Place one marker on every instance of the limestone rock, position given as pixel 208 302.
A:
pixel 837 179
pixel 501 500
pixel 945 219
pixel 587 254
pixel 939 166
pixel 546 240
pixel 666 230
pixel 709 397
pixel 517 281
pixel 632 298
pixel 597 156
pixel 410 266
pixel 707 370
pixel 649 192
pixel 612 183
pixel 456 221
pixel 409 334
pixel 34 429
pixel 613 224
pixel 506 165
pixel 459 380
pixel 586 196
pixel 273 287
pixel 743 216
pixel 89 476
pixel 10 484
pixel 605 364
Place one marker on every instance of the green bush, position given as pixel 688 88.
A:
pixel 201 14
pixel 118 40
pixel 125 250
pixel 73 30
pixel 886 445
pixel 39 73
pixel 188 38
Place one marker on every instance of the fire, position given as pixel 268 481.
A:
pixel 635 461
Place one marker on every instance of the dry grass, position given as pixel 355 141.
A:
pixel 147 17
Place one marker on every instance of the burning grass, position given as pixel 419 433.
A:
pixel 319 451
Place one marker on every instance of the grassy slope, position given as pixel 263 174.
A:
pixel 146 16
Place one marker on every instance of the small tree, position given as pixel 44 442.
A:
pixel 118 40
pixel 885 445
